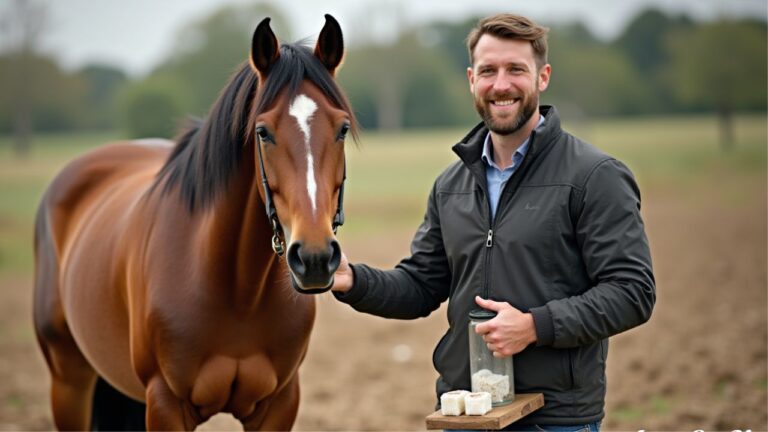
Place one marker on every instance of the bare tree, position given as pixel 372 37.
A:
pixel 21 26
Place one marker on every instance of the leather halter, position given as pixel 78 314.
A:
pixel 278 237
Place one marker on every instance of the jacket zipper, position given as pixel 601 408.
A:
pixel 491 225
pixel 488 246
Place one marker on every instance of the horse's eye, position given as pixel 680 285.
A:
pixel 343 132
pixel 261 131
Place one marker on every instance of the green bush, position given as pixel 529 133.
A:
pixel 151 108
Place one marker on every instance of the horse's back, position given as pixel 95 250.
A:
pixel 83 181
pixel 80 234
pixel 120 171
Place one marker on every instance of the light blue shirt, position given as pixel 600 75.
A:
pixel 495 177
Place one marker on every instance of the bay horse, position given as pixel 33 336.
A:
pixel 155 266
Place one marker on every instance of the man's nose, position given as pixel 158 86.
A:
pixel 502 82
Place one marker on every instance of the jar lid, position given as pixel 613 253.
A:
pixel 481 314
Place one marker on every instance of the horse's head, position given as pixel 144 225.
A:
pixel 300 121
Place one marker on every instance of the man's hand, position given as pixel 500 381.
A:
pixel 343 278
pixel 509 332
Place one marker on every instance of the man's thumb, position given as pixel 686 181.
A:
pixel 490 304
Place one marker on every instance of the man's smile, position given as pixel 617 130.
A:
pixel 505 102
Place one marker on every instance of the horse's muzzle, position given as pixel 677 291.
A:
pixel 312 269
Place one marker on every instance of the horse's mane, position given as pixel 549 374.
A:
pixel 208 153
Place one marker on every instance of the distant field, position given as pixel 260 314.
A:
pixel 390 174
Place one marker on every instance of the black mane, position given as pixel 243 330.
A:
pixel 208 153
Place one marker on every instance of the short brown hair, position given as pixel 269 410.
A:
pixel 510 26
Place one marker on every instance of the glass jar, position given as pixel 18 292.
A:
pixel 488 373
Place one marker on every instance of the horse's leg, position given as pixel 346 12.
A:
pixel 165 411
pixel 72 383
pixel 114 411
pixel 277 413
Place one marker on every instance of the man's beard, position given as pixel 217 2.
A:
pixel 531 104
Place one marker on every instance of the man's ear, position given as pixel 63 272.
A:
pixel 471 79
pixel 545 72
pixel 265 49
pixel 330 45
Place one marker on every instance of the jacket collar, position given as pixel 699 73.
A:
pixel 470 148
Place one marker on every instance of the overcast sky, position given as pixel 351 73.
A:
pixel 137 34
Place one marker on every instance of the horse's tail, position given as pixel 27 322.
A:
pixel 46 293
pixel 114 411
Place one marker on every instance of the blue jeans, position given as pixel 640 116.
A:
pixel 590 427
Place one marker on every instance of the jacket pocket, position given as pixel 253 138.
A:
pixel 543 369
pixel 587 365
pixel 451 359
pixel 436 354
pixel 571 369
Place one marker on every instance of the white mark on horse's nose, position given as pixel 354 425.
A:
pixel 302 108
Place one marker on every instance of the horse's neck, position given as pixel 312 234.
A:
pixel 239 237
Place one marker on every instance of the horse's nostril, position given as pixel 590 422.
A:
pixel 295 261
pixel 314 267
pixel 335 259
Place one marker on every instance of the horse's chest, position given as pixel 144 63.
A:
pixel 219 362
pixel 225 384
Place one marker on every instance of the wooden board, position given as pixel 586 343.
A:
pixel 495 419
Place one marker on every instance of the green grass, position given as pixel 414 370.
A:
pixel 390 174
pixel 14 401
pixel 660 405
pixel 682 149
pixel 628 414
pixel 656 406
pixel 761 384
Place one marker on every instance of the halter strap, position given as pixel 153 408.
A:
pixel 278 237
pixel 338 218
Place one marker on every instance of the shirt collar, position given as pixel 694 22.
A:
pixel 519 153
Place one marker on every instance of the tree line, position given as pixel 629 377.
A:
pixel 660 64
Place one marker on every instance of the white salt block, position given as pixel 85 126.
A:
pixel 478 403
pixel 452 402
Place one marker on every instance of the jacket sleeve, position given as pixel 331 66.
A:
pixel 610 232
pixel 416 286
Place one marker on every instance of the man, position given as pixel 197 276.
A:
pixel 531 223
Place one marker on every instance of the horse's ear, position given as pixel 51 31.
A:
pixel 265 49
pixel 330 44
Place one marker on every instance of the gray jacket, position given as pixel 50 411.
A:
pixel 568 245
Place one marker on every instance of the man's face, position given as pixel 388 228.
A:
pixel 506 83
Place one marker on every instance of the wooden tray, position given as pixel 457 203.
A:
pixel 495 419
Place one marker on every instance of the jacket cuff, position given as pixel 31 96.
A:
pixel 358 290
pixel 545 329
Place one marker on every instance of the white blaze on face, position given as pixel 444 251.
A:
pixel 302 108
